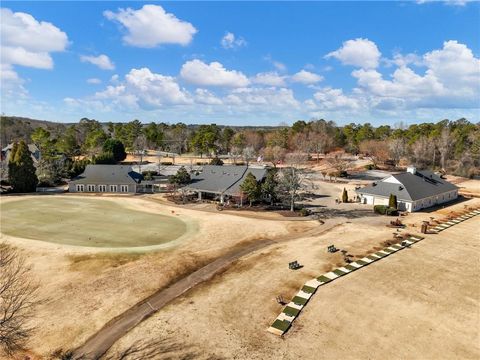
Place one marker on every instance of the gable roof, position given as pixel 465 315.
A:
pixel 411 187
pixel 223 179
pixel 108 175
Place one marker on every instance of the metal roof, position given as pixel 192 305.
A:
pixel 108 175
pixel 412 187
pixel 223 179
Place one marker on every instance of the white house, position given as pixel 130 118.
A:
pixel 414 190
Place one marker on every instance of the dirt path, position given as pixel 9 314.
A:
pixel 99 343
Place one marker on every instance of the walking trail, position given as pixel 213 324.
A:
pixel 99 343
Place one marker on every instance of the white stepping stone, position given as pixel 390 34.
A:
pixel 304 294
pixel 295 306
pixel 275 331
pixel 313 283
pixel 375 256
pixel 284 316
pixel 344 269
pixel 384 252
pixel 367 260
pixel 331 275
pixel 355 265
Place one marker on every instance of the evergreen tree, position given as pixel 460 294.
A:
pixel 116 148
pixel 392 201
pixel 269 186
pixel 21 171
pixel 251 188
pixel 345 196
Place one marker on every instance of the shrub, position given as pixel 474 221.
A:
pixel 166 163
pixel 216 161
pixel 380 209
pixel 392 201
pixel 392 211
pixel 345 196
pixel 370 167
pixel 304 212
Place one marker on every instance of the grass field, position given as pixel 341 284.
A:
pixel 87 222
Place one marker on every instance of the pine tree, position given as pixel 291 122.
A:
pixel 21 171
pixel 269 186
pixel 251 188
pixel 345 196
pixel 392 201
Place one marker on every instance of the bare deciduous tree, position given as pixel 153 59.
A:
pixel 291 178
pixel 18 299
pixel 397 149
pixel 445 143
pixel 376 149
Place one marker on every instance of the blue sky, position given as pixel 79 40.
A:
pixel 250 63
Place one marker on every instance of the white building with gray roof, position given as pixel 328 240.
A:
pixel 106 179
pixel 414 189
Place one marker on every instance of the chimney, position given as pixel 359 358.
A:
pixel 412 169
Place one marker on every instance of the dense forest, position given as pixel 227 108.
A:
pixel 453 146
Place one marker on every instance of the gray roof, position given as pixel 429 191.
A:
pixel 413 187
pixel 224 179
pixel 108 175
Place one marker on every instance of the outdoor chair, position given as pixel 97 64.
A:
pixel 332 249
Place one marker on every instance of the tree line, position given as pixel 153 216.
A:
pixel 450 145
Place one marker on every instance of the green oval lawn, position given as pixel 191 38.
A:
pixel 87 222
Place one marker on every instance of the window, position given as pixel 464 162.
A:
pixel 113 188
pixel 123 188
pixel 80 187
pixel 91 188
pixel 102 188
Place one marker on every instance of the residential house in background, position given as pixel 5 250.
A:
pixel 414 189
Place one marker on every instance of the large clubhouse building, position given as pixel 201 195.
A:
pixel 106 179
pixel 414 189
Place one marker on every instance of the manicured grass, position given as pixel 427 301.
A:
pixel 93 222
pixel 324 279
pixel 299 300
pixel 372 258
pixel 388 251
pixel 339 272
pixel 350 267
pixel 282 325
pixel 361 262
pixel 308 289
pixel 290 311
pixel 380 254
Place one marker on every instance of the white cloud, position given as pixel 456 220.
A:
pixel 203 96
pixel 102 61
pixel 230 41
pixel 28 42
pixel 266 98
pixel 447 2
pixel 306 77
pixel 333 100
pixel 94 81
pixel 11 83
pixel 360 52
pixel 269 79
pixel 213 74
pixel 151 26
pixel 452 79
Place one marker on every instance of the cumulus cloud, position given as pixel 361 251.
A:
pixel 214 74
pixel 230 41
pixel 28 42
pixel 360 52
pixel 306 77
pixel 94 81
pixel 332 99
pixel 204 96
pixel 447 2
pixel 102 61
pixel 452 79
pixel 269 79
pixel 263 97
pixel 151 26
